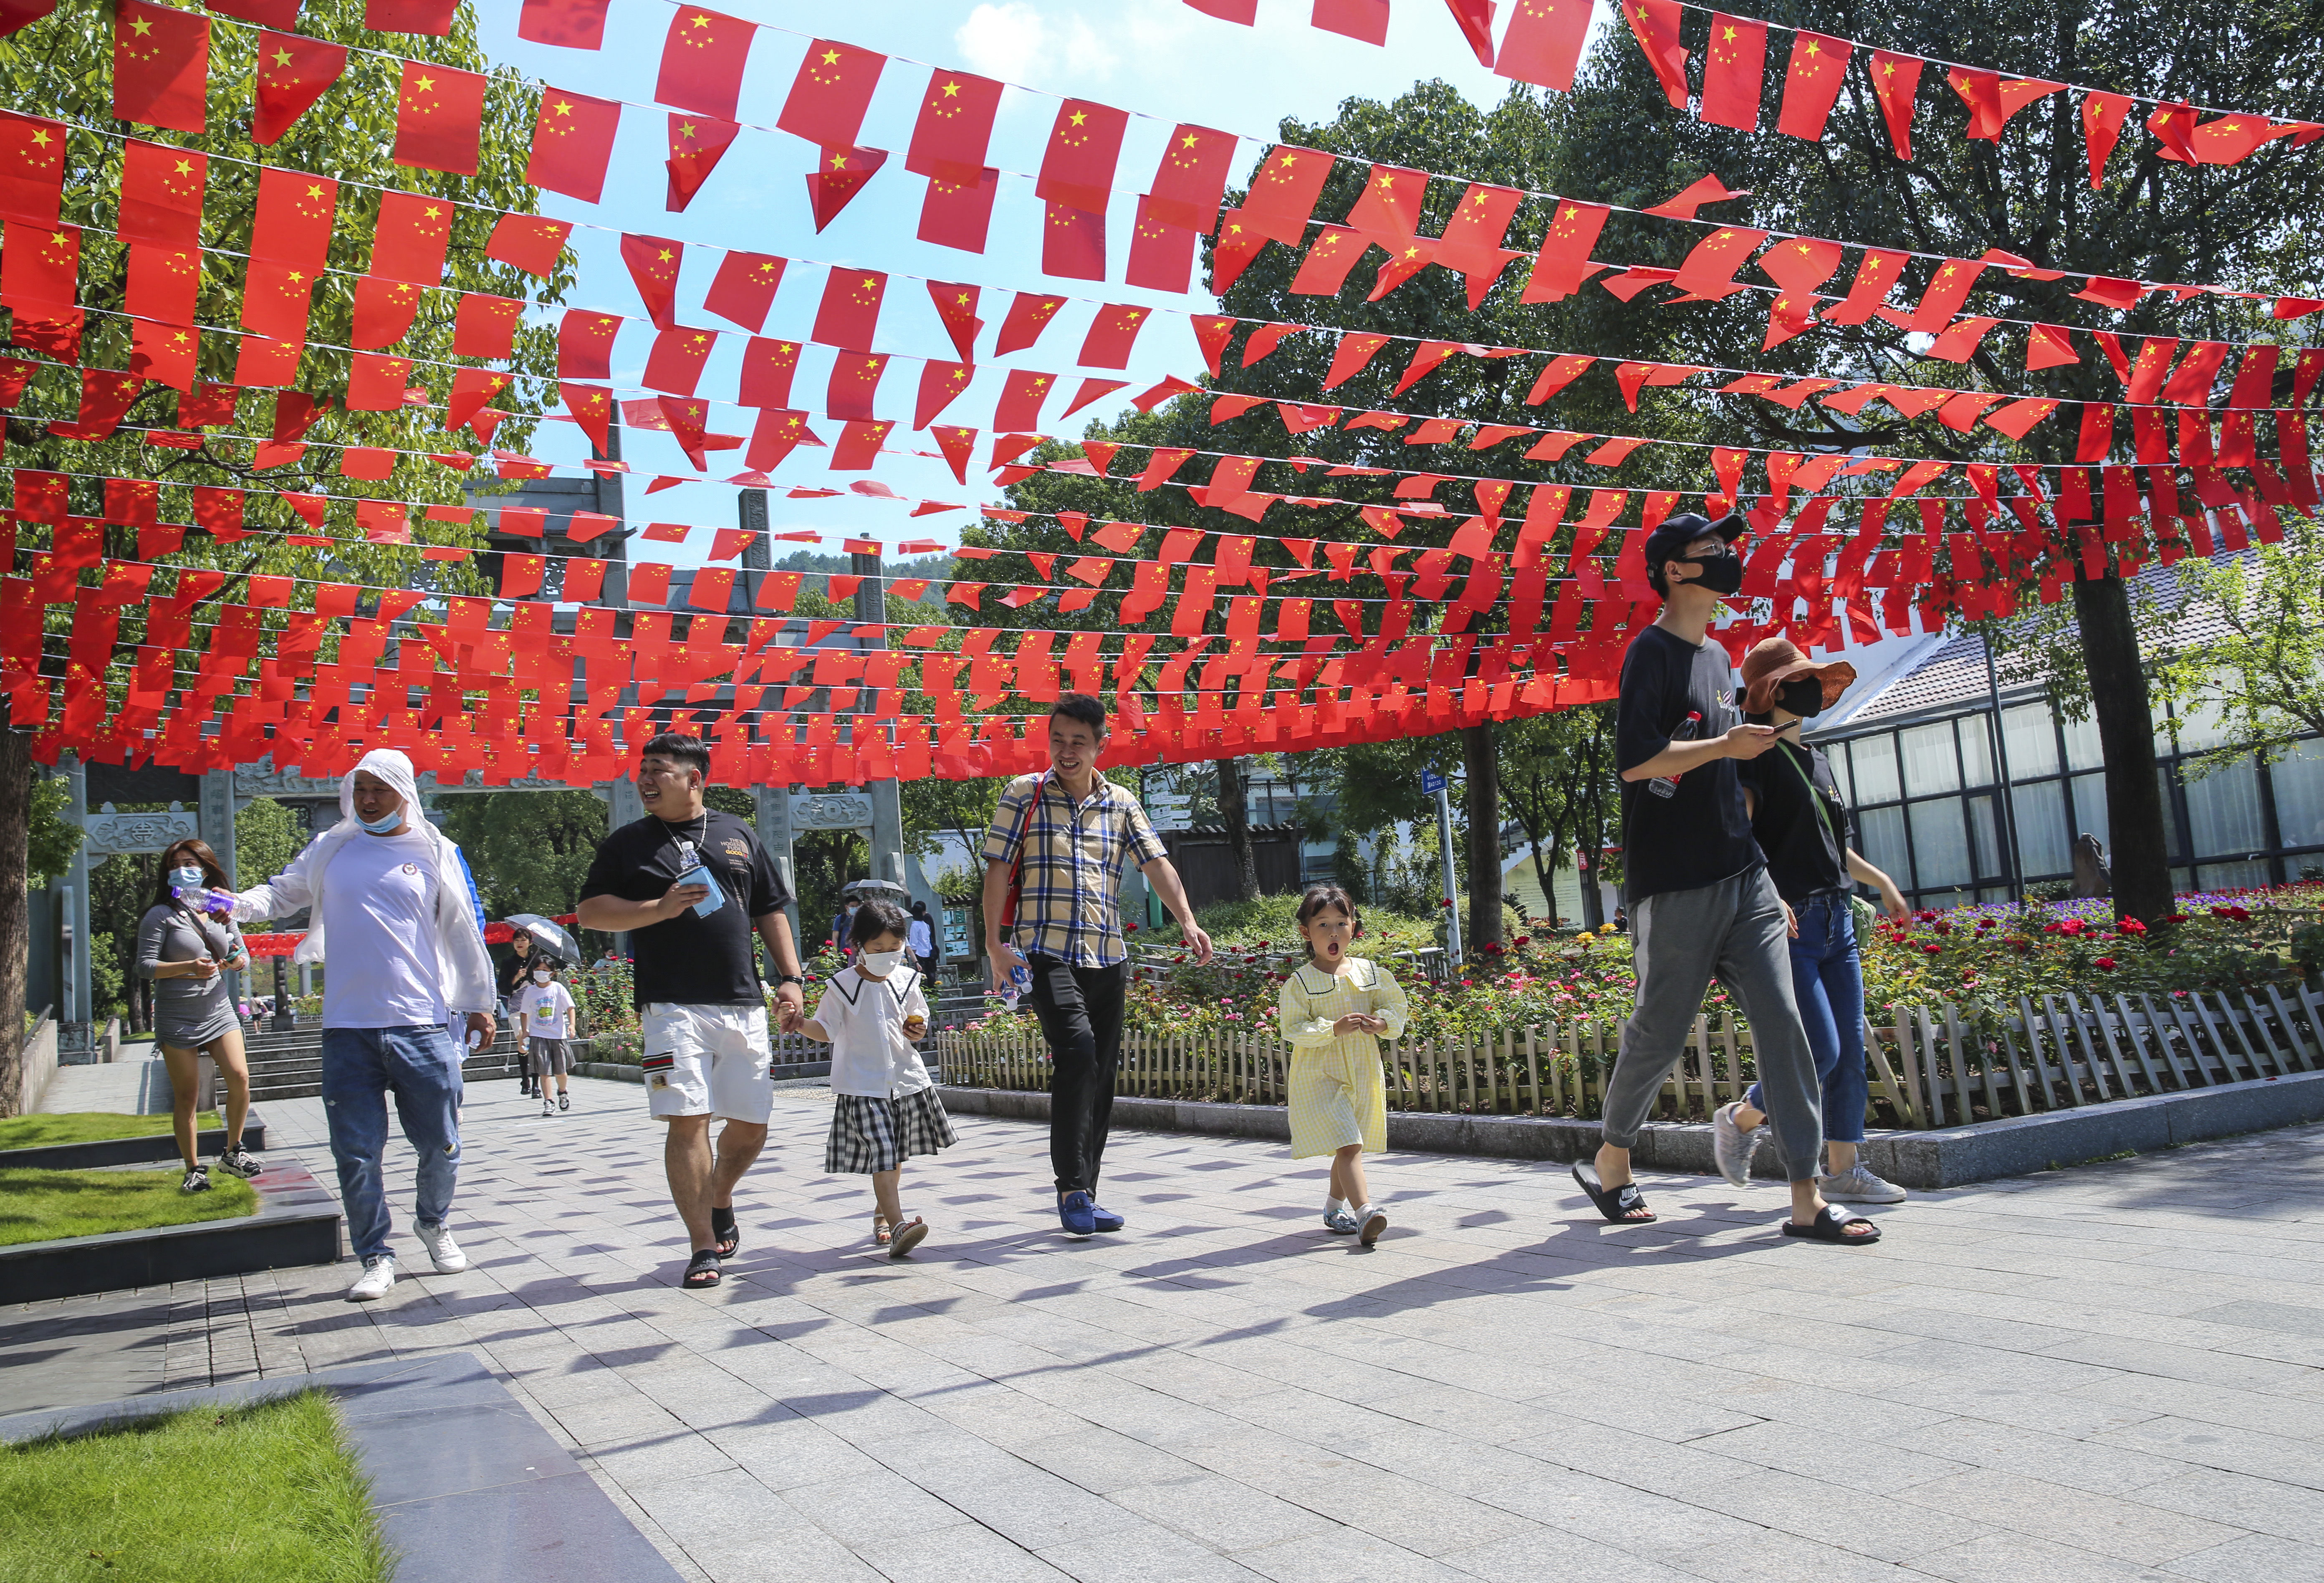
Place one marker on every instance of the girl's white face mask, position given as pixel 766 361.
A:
pixel 879 964
pixel 541 975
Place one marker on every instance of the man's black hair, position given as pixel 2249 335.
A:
pixel 1080 705
pixel 680 748
pixel 875 919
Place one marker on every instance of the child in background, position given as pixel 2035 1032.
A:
pixel 546 1008
pixel 885 1109
pixel 1334 1008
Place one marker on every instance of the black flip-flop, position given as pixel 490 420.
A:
pixel 1831 1224
pixel 1614 1203
pixel 702 1271
pixel 729 1236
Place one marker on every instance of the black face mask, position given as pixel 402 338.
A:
pixel 1802 695
pixel 1722 573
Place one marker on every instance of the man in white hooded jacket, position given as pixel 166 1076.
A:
pixel 394 911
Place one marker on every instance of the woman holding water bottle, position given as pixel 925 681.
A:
pixel 186 943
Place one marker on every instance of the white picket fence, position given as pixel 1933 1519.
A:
pixel 1926 1067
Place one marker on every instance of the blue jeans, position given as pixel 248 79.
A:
pixel 1828 981
pixel 421 1066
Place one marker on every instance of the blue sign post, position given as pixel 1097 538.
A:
pixel 1431 781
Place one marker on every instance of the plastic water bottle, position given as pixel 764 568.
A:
pixel 1020 985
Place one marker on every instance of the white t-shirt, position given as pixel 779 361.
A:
pixel 379 917
pixel 546 1010
pixel 870 1054
pixel 919 938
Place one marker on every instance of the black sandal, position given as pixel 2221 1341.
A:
pixel 1831 1224
pixel 728 1236
pixel 1617 1204
pixel 702 1271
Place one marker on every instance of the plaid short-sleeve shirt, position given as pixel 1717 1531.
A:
pixel 1073 856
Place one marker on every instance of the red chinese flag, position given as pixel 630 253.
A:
pixel 293 71
pixel 958 215
pixel 32 169
pixel 1563 262
pixel 412 238
pixel 1654 24
pixel 954 128
pixel 854 381
pixel 377 384
pixel 1077 162
pixel 675 363
pixel 161 65
pixel 702 61
pixel 2102 117
pixel 1029 315
pixel 430 17
pixel 585 344
pixel 1895 84
pixel 697 144
pixel 1019 409
pixel 293 222
pixel 955 305
pixel 1073 243
pixel 1544 41
pixel 1734 68
pixel 832 185
pixel 745 288
pixel 1364 20
pixel 859 446
pixel 1811 84
pixel 383 311
pixel 486 325
pixel 1284 192
pixel 528 242
pixel 1161 255
pixel 570 24
pixel 572 140
pixel 653 264
pixel 849 313
pixel 1192 178
pixel 161 195
pixel 592 408
pixel 940 383
pixel 438 118
pixel 830 94
pixel 1111 334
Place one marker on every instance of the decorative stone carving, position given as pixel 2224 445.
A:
pixel 261 780
pixel 831 810
pixel 107 832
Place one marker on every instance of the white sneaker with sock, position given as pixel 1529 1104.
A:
pixel 378 1275
pixel 446 1253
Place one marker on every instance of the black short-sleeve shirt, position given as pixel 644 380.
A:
pixel 1685 832
pixel 1806 848
pixel 692 960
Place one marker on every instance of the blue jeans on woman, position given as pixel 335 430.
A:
pixel 421 1067
pixel 1828 981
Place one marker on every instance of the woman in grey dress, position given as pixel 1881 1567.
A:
pixel 188 952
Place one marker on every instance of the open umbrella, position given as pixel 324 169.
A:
pixel 864 887
pixel 547 934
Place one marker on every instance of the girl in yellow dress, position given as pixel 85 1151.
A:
pixel 1334 1008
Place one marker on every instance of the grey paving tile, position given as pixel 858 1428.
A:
pixel 2125 1530
pixel 2256 1558
pixel 2023 1558
pixel 1217 1511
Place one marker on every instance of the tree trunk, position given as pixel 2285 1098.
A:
pixel 2118 699
pixel 1482 766
pixel 1234 814
pixel 15 942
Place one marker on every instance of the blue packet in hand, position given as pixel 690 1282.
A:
pixel 699 875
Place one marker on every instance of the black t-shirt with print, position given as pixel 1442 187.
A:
pixel 1806 848
pixel 1684 833
pixel 690 959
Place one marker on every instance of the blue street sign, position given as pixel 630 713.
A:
pixel 1431 781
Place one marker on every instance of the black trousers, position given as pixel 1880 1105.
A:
pixel 1080 1010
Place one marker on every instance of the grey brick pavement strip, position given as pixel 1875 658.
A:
pixel 2108 1373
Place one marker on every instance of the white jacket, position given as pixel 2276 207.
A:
pixel 466 968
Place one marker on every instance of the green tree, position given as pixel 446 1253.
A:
pixel 50 839
pixel 266 836
pixel 1557 776
pixel 529 850
pixel 2263 670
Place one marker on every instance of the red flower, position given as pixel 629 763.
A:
pixel 2130 926
pixel 2105 964
pixel 1129 929
pixel 1448 901
pixel 1933 949
pixel 1942 927
pixel 2073 926
pixel 1524 940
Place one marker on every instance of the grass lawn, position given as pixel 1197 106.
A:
pixel 270 1492
pixel 40 1205
pixel 87 1127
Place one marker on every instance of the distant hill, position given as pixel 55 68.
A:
pixel 811 561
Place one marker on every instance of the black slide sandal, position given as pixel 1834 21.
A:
pixel 1831 1224
pixel 725 1232
pixel 1614 1203
pixel 702 1271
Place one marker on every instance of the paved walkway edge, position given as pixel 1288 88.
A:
pixel 467 1483
pixel 1955 1157
pixel 297 1222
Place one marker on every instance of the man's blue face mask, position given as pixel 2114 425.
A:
pixel 382 826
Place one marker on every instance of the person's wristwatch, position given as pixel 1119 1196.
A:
pixel 789 978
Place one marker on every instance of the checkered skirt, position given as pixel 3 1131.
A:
pixel 870 1133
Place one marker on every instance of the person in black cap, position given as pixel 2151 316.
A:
pixel 1697 888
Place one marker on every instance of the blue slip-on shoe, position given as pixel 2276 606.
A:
pixel 1075 1211
pixel 1104 1219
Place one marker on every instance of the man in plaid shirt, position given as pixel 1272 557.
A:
pixel 1073 829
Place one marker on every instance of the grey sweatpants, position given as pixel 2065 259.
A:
pixel 1681 938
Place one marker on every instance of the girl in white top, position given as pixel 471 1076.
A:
pixel 544 1009
pixel 884 1108
pixel 1334 1009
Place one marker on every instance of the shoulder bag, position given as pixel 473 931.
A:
pixel 1017 868
pixel 1861 914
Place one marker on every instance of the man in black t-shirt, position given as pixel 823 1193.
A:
pixel 691 886
pixel 1700 900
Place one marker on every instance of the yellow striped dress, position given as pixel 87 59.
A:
pixel 1338 1096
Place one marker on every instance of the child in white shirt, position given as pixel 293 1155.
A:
pixel 544 1008
pixel 885 1107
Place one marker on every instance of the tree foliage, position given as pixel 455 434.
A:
pixel 2255 651
pixel 528 851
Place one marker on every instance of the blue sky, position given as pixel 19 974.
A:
pixel 1158 59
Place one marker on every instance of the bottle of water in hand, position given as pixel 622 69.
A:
pixel 1019 984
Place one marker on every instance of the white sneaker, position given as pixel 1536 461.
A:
pixel 378 1275
pixel 446 1253
pixel 1857 1185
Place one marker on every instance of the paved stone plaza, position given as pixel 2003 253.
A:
pixel 2110 1372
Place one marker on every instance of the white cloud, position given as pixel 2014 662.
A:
pixel 1015 41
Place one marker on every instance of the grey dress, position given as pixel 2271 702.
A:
pixel 187 1012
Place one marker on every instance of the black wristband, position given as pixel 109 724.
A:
pixel 788 978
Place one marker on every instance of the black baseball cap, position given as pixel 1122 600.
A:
pixel 1669 542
